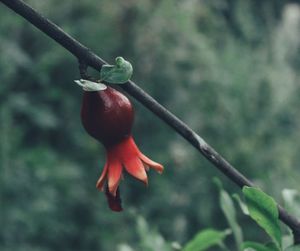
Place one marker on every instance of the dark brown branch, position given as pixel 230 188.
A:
pixel 83 71
pixel 84 54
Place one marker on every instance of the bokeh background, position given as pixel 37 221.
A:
pixel 229 68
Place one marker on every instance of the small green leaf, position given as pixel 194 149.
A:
pixel 229 211
pixel 287 240
pixel 218 182
pixel 273 246
pixel 242 205
pixel 291 199
pixel 116 74
pixel 206 239
pixel 263 209
pixel 293 248
pixel 254 246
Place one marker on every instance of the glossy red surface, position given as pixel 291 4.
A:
pixel 107 115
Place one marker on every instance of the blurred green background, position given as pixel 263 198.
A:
pixel 229 68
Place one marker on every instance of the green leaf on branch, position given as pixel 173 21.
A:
pixel 254 246
pixel 293 248
pixel 263 209
pixel 119 73
pixel 205 239
pixel 242 205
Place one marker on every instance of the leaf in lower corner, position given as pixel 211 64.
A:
pixel 293 248
pixel 206 239
pixel 229 211
pixel 291 200
pixel 249 245
pixel 263 209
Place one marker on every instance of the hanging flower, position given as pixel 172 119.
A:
pixel 107 115
pixel 125 155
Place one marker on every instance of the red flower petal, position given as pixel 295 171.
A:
pixel 102 178
pixel 124 154
pixel 158 167
pixel 135 167
pixel 114 175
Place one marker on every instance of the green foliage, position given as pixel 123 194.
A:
pixel 150 240
pixel 250 246
pixel 260 207
pixel 293 248
pixel 287 240
pixel 291 198
pixel 229 211
pixel 230 214
pixel 205 239
pixel 263 209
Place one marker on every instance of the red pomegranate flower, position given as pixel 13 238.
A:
pixel 107 115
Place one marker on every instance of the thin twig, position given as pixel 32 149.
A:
pixel 85 55
pixel 83 71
